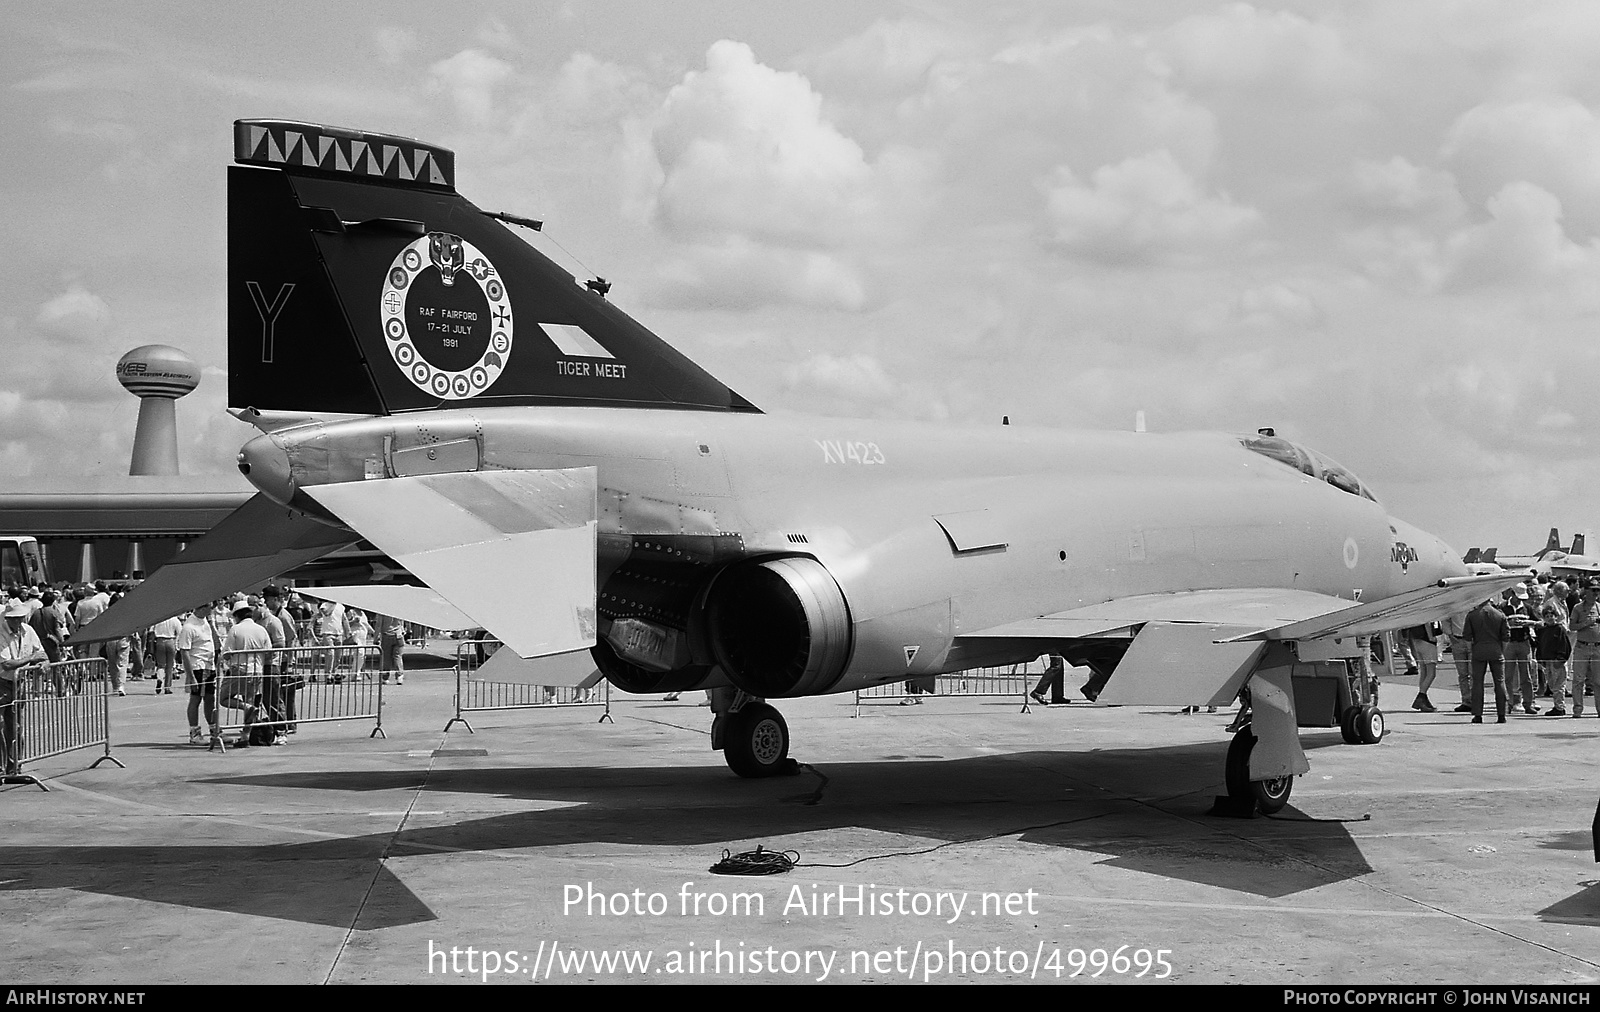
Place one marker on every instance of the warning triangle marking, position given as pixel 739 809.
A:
pixel 911 653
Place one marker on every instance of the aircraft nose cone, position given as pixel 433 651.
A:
pixel 266 464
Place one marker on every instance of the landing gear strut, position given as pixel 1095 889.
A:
pixel 752 735
pixel 1268 795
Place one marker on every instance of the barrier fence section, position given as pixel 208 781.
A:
pixel 1007 680
pixel 52 709
pixel 286 687
pixel 475 695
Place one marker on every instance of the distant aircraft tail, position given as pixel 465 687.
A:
pixel 1473 555
pixel 1488 555
pixel 360 282
pixel 1553 542
pixel 1577 544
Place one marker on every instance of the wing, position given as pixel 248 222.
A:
pixel 1251 607
pixel 1426 604
pixel 1175 656
pixel 1199 646
pixel 512 550
pixel 256 542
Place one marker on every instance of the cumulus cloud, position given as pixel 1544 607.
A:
pixel 1240 45
pixel 1275 310
pixel 1523 240
pixel 1146 208
pixel 745 149
pixel 394 43
pixel 77 315
pixel 858 378
pixel 737 273
pixel 470 78
pixel 1552 141
pixel 889 57
pixel 590 90
pixel 1397 187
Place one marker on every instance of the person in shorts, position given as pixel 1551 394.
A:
pixel 197 646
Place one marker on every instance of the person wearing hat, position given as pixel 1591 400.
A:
pixel 197 645
pixel 1586 643
pixel 1521 619
pixel 1553 649
pixel 289 683
pixel 245 652
pixel 19 648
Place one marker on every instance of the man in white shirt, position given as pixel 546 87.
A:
pixel 19 648
pixel 164 652
pixel 246 652
pixel 197 645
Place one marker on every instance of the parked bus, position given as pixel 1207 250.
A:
pixel 20 561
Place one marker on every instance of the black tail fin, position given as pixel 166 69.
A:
pixel 1472 556
pixel 1577 544
pixel 1553 542
pixel 360 281
pixel 1488 554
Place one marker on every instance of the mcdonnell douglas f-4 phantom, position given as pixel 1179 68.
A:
pixel 560 476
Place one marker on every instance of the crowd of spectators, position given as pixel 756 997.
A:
pixel 1527 645
pixel 238 652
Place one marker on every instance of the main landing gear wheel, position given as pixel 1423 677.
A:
pixel 1347 725
pixel 1368 725
pixel 757 742
pixel 1268 795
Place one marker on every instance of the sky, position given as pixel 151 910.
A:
pixel 1373 226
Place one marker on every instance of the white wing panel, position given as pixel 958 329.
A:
pixel 557 669
pixel 512 550
pixel 1182 663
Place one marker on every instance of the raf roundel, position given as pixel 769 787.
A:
pixel 446 317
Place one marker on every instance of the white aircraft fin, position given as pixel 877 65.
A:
pixel 512 550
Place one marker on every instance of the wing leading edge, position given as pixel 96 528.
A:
pixel 256 542
pixel 1199 646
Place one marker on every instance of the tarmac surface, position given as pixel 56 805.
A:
pixel 547 838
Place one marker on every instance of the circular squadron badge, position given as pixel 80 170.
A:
pixel 446 317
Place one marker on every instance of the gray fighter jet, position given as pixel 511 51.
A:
pixel 557 474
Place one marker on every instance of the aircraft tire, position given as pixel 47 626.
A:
pixel 756 742
pixel 1268 795
pixel 1368 724
pixel 1347 725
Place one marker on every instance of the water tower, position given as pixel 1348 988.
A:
pixel 158 375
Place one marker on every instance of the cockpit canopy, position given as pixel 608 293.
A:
pixel 1308 462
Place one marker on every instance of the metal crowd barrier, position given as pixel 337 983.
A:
pixel 475 695
pixel 315 684
pixel 1007 680
pixel 56 708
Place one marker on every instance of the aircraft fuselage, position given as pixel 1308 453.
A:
pixel 1031 521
